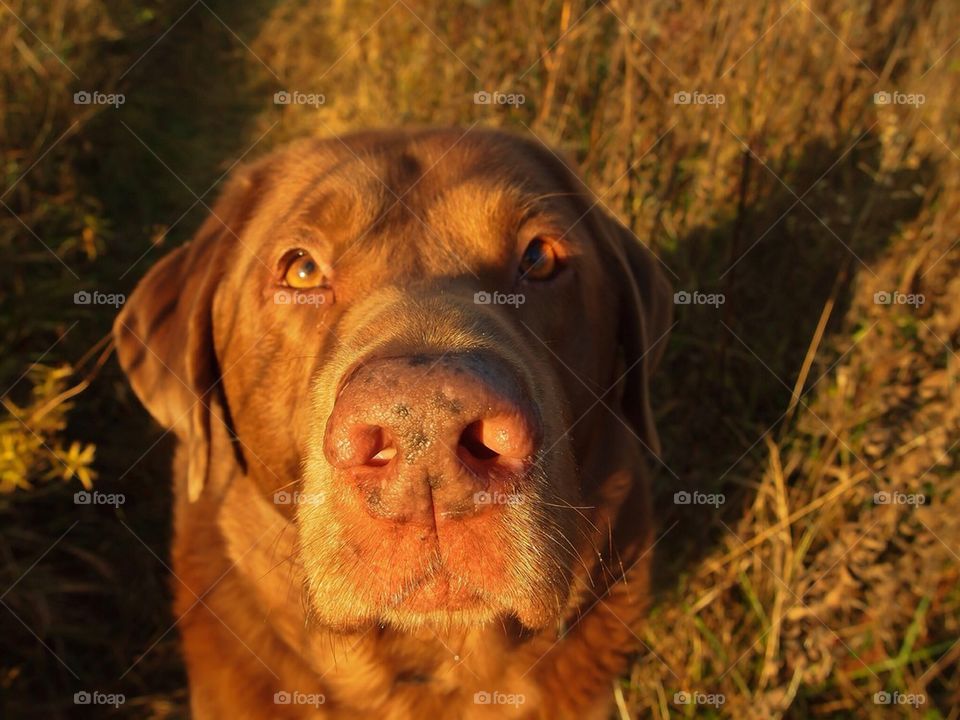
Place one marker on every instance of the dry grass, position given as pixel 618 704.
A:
pixel 798 399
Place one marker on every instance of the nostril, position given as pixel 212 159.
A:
pixel 383 457
pixel 363 444
pixel 501 441
pixel 471 440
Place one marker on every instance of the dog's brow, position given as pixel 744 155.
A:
pixel 552 207
pixel 328 203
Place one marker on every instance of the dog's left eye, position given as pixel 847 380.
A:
pixel 301 271
pixel 539 260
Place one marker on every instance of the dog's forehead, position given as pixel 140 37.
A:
pixel 441 180
pixel 403 159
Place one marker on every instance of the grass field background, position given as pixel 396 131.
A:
pixel 797 158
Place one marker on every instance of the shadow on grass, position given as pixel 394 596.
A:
pixel 728 375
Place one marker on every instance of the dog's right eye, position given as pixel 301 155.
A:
pixel 301 271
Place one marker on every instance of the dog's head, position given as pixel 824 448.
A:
pixel 409 336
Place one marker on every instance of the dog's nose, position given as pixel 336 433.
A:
pixel 429 438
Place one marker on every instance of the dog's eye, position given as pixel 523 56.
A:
pixel 539 260
pixel 301 271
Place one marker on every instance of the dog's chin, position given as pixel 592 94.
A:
pixel 438 621
pixel 434 606
pixel 427 608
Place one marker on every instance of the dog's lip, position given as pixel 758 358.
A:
pixel 438 589
pixel 435 592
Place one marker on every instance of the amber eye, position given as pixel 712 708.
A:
pixel 539 260
pixel 302 271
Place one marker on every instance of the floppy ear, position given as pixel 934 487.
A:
pixel 164 334
pixel 645 317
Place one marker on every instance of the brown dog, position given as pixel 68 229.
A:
pixel 408 372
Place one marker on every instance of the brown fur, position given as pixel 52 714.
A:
pixel 278 598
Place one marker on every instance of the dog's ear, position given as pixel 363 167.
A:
pixel 164 334
pixel 644 322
